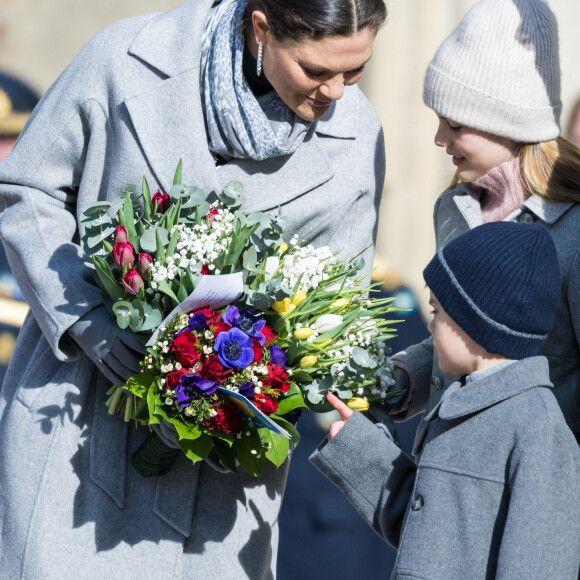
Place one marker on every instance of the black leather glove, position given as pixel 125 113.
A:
pixel 116 352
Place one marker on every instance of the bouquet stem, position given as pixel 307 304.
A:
pixel 154 458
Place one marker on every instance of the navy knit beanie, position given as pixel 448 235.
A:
pixel 500 282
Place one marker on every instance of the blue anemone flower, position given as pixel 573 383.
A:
pixel 234 348
pixel 247 322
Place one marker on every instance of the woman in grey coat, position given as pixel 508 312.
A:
pixel 141 95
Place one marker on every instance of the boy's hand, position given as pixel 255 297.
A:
pixel 345 413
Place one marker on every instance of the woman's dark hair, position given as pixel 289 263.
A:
pixel 315 19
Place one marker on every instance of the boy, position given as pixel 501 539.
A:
pixel 495 493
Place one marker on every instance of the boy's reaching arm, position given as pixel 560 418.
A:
pixel 362 460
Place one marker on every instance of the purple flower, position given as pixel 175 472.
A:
pixel 190 387
pixel 277 356
pixel 234 348
pixel 198 322
pixel 247 389
pixel 247 322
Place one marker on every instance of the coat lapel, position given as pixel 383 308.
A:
pixel 165 136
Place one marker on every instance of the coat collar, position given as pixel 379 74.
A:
pixel 546 210
pixel 458 401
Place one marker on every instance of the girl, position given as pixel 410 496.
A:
pixel 494 84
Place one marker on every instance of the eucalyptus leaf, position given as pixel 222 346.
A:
pixel 232 194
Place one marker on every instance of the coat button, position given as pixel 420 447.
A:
pixel 418 503
pixel 526 218
pixel 436 383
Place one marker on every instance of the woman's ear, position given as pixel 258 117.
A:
pixel 260 26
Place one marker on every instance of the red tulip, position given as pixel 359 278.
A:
pixel 132 281
pixel 163 201
pixel 124 253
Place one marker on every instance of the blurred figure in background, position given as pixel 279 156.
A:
pixel 573 129
pixel 316 520
pixel 17 100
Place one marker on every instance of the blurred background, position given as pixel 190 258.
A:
pixel 321 535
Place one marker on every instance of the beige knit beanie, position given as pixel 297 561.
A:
pixel 499 71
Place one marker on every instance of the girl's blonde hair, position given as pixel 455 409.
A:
pixel 550 169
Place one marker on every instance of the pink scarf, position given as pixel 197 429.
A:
pixel 504 191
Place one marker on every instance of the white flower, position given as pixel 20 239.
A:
pixel 272 263
pixel 328 322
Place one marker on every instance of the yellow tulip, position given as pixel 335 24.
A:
pixel 283 248
pixel 340 303
pixel 283 307
pixel 358 404
pixel 303 333
pixel 299 297
pixel 308 361
pixel 323 344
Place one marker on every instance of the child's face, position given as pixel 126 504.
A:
pixel 456 351
pixel 474 152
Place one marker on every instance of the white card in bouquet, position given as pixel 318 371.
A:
pixel 211 292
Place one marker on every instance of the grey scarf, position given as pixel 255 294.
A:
pixel 239 124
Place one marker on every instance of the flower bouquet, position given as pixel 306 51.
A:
pixel 244 330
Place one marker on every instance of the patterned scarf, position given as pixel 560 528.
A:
pixel 239 124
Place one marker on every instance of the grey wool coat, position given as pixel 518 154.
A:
pixel 456 212
pixel 129 105
pixel 495 494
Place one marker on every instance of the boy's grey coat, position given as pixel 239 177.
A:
pixel 496 493
pixel 128 106
pixel 455 213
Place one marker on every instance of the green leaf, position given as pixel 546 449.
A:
pixel 140 384
pixel 232 194
pixel 291 403
pixel 153 400
pixel 177 178
pixel 288 427
pixel 250 257
pixel 152 321
pixel 182 293
pixel 167 289
pixel 160 247
pixel 135 320
pixel 252 463
pixel 128 214
pixel 110 285
pixel 197 449
pixel 149 239
pixel 186 430
pixel 361 357
pixel 146 198
pixel 123 319
pixel 226 454
pixel 279 446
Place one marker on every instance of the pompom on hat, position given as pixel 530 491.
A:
pixel 499 71
pixel 500 282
